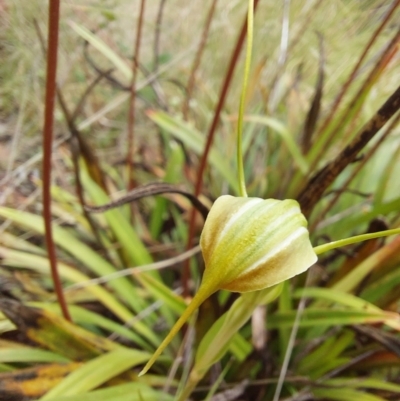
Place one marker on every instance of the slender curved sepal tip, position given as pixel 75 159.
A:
pixel 198 299
pixel 248 244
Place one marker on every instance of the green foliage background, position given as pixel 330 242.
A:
pixel 347 343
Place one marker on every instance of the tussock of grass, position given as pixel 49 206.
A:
pixel 343 345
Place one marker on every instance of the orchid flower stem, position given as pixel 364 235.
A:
pixel 198 299
pixel 250 19
pixel 352 240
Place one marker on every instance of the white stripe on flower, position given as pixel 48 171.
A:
pixel 236 215
pixel 284 244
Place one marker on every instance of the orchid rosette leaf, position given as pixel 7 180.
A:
pixel 248 244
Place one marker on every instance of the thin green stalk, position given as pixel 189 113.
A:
pixel 352 240
pixel 250 19
pixel 210 137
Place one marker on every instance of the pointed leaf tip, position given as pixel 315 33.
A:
pixel 202 294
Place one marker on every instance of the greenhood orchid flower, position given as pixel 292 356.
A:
pixel 248 244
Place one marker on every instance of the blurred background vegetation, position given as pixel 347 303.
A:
pixel 347 344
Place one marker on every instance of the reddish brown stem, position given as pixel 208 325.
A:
pixel 317 185
pixel 157 35
pixel 354 72
pixel 131 113
pixel 365 159
pixel 210 137
pixel 382 63
pixel 52 45
pixel 197 60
